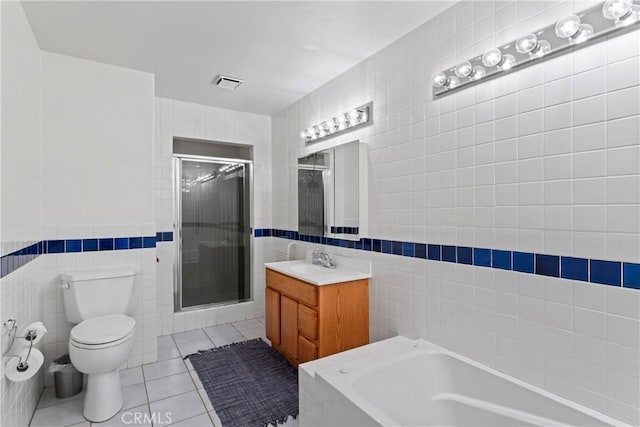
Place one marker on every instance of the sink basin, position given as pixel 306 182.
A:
pixel 311 269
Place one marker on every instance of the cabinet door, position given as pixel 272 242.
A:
pixel 289 326
pixel 272 315
pixel 307 350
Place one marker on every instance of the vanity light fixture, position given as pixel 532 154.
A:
pixel 344 122
pixel 602 19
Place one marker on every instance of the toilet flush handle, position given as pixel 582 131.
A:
pixel 64 285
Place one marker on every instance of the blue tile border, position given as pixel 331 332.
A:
pixel 613 273
pixel 575 268
pixel 14 260
pixel 606 272
pixel 17 259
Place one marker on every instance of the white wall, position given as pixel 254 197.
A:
pixel 98 183
pixel 186 120
pixel 544 160
pixel 21 127
pixel 98 143
pixel 20 208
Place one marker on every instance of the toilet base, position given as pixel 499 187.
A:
pixel 103 399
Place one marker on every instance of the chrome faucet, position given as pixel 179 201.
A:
pixel 323 259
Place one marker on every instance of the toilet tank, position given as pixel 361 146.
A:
pixel 96 293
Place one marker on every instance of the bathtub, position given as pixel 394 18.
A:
pixel 403 382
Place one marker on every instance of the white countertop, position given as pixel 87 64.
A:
pixel 347 270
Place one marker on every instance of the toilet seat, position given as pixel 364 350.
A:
pixel 103 331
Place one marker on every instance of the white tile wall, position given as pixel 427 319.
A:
pixel 181 119
pixel 21 194
pixel 145 305
pixel 21 300
pixel 530 161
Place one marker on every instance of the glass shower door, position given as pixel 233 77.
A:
pixel 213 229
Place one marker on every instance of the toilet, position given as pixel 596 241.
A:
pixel 99 302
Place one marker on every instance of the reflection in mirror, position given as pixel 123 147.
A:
pixel 332 192
pixel 313 191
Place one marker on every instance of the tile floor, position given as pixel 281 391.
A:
pixel 169 385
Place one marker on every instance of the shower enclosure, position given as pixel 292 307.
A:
pixel 212 212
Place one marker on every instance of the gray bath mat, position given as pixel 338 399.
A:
pixel 249 383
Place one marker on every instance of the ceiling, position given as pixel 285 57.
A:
pixel 283 50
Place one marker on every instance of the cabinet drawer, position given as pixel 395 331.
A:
pixel 307 322
pixel 293 288
pixel 306 350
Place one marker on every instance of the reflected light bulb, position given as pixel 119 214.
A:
pixel 507 62
pixel 464 69
pixel 439 79
pixel 632 16
pixel 568 27
pixel 616 9
pixel 527 43
pixel 492 57
pixel 542 48
pixel 478 72
pixel 586 31
pixel 453 82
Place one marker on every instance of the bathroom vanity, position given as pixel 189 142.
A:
pixel 312 311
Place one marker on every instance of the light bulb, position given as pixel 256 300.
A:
pixel 464 69
pixel 616 9
pixel 632 16
pixel 452 82
pixel 353 114
pixel 542 48
pixel 342 125
pixel 310 132
pixel 492 57
pixel 568 27
pixel 329 125
pixel 342 118
pixel 321 134
pixel 585 32
pixel 439 79
pixel 363 117
pixel 507 62
pixel 527 43
pixel 478 72
pixel 303 134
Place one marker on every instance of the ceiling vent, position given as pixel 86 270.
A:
pixel 226 82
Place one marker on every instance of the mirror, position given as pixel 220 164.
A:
pixel 332 192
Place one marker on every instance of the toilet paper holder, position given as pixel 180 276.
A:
pixel 30 335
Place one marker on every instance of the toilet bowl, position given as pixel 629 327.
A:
pixel 98 347
pixel 99 302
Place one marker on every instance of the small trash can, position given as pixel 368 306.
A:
pixel 66 378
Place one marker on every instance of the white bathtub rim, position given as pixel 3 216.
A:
pixel 344 381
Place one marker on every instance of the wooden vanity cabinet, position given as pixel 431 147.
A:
pixel 305 322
